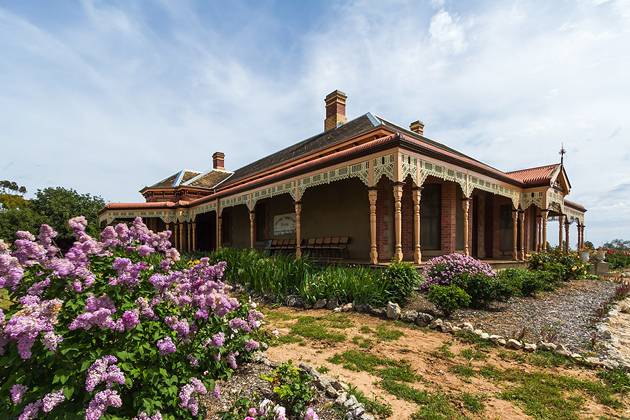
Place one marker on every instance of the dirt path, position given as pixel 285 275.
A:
pixel 448 377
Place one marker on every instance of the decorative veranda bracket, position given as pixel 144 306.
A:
pixel 574 215
pixel 167 216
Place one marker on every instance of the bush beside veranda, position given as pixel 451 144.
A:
pixel 279 276
pixel 116 327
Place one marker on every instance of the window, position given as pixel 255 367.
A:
pixel 430 216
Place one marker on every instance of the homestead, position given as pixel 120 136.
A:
pixel 363 190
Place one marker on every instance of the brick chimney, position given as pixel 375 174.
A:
pixel 218 160
pixel 335 110
pixel 417 127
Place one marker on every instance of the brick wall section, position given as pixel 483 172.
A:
pixel 385 219
pixel 407 221
pixel 448 216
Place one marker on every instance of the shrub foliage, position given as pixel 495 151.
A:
pixel 117 326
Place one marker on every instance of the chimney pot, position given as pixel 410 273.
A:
pixel 218 160
pixel 417 127
pixel 335 110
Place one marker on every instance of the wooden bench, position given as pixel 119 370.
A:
pixel 326 247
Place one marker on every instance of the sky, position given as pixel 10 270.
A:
pixel 107 97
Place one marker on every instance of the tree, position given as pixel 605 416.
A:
pixel 53 206
pixel 618 244
pixel 57 205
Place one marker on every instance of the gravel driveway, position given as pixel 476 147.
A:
pixel 567 315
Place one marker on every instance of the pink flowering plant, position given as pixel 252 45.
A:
pixel 443 270
pixel 115 327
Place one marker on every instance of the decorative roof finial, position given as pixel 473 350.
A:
pixel 562 153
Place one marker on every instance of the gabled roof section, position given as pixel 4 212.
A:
pixel 174 180
pixel 208 180
pixel 323 140
pixel 539 175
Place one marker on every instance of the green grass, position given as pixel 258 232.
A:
pixel 372 405
pixel 362 342
pixel 549 359
pixel 616 379
pixel 433 405
pixel 473 403
pixel 287 339
pixel 366 330
pixel 385 333
pixel 473 354
pixel 490 372
pixel 271 315
pixel 472 338
pixel 444 352
pixel 385 368
pixel 339 321
pixel 323 369
pixel 463 371
pixel 543 395
pixel 402 372
pixel 313 328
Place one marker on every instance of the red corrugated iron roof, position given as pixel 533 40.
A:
pixel 537 175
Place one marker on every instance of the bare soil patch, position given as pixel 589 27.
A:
pixel 451 377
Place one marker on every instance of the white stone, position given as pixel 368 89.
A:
pixel 484 336
pixel 436 324
pixel 341 399
pixel 501 342
pixel 351 402
pixel 478 332
pixel 467 326
pixel 514 344
pixel 530 347
pixel 393 310
pixel 547 346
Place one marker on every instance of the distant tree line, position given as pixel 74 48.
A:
pixel 53 206
pixel 618 244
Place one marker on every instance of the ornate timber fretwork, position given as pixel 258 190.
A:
pixel 203 208
pixel 554 199
pixel 235 200
pixel 384 165
pixel 574 215
pixel 409 167
pixel 167 216
pixel 296 187
pixel 272 191
pixel 355 170
pixel 536 198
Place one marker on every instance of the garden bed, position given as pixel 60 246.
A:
pixel 566 315
pixel 247 382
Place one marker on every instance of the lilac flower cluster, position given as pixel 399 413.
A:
pixel 186 301
pixel 443 269
pixel 166 346
pixel 127 271
pixel 267 409
pixel 35 317
pixel 144 416
pixel 188 395
pixel 101 402
pixel 46 404
pixel 104 370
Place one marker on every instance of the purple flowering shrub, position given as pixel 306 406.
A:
pixel 115 327
pixel 444 269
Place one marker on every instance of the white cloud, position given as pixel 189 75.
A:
pixel 447 33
